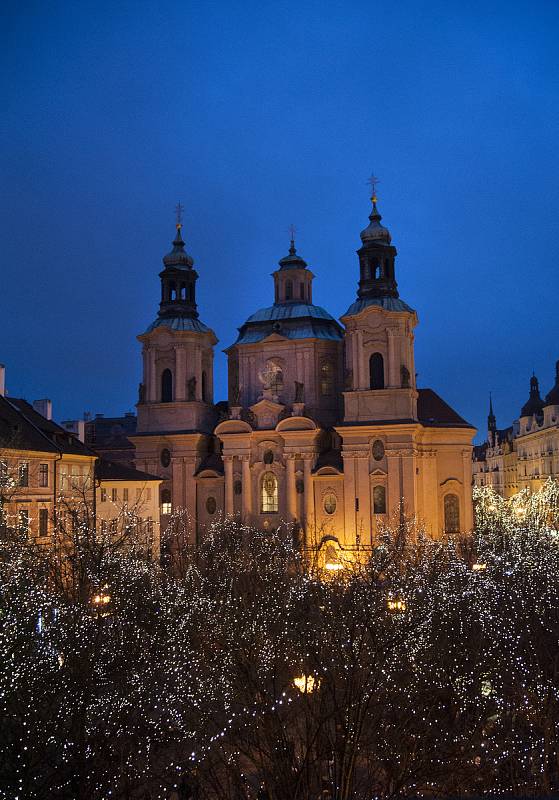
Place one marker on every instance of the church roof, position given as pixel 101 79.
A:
pixel 112 471
pixel 388 303
pixel 179 324
pixel 433 412
pixel 292 320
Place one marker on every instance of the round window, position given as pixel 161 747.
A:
pixel 238 487
pixel 165 458
pixel 378 450
pixel 330 503
pixel 211 505
pixel 268 457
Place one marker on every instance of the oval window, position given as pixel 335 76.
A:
pixel 165 458
pixel 211 505
pixel 330 503
pixel 378 450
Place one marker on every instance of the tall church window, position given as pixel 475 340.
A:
pixel 379 500
pixel 172 291
pixel 451 513
pixel 326 378
pixel 166 386
pixel 204 387
pixel 376 371
pixel 289 290
pixel 183 291
pixel 378 271
pixel 269 496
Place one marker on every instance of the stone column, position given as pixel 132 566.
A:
pixel 229 508
pixel 180 372
pixel 409 481
pixel 468 523
pixel 291 489
pixel 198 372
pixel 364 494
pixel 309 500
pixel 247 490
pixel 391 371
pixel 394 490
pixel 152 396
pixel 190 491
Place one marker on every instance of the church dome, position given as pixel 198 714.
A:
pixel 552 397
pixel 534 404
pixel 292 261
pixel 293 321
pixel 375 232
pixel 178 258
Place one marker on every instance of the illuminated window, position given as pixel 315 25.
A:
pixel 125 495
pixel 114 495
pixel 43 521
pixel 166 386
pixel 330 503
pixel 451 513
pixel 376 371
pixel 269 493
pixel 43 475
pixel 326 378
pixel 24 474
pixel 379 500
pixel 103 495
pixel 166 506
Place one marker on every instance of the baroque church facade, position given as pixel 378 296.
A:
pixel 324 426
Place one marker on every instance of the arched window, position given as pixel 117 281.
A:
pixel 166 386
pixel 173 291
pixel 379 500
pixel 204 387
pixel 326 378
pixel 451 513
pixel 269 495
pixel 376 371
pixel 378 271
pixel 183 291
pixel 289 290
pixel 166 506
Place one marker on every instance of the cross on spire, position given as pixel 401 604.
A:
pixel 373 183
pixel 179 211
pixel 292 231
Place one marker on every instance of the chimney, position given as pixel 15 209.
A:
pixel 43 407
pixel 75 426
pixel 2 380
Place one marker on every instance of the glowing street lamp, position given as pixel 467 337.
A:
pixel 306 683
pixel 479 566
pixel 396 604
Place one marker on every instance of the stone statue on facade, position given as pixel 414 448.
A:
pixel 141 393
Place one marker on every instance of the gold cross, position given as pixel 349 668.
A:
pixel 178 211
pixel 373 182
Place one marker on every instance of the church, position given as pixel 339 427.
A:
pixel 324 427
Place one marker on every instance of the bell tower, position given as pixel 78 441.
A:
pixel 176 392
pixel 379 339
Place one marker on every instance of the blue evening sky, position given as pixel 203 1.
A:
pixel 256 115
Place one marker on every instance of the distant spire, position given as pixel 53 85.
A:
pixel 491 420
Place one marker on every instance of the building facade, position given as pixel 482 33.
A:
pixel 526 454
pixel 324 427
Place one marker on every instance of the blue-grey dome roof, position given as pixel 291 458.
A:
pixel 179 324
pixel 292 320
pixel 388 303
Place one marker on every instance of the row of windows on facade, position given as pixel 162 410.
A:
pixel 269 502
pixel 276 384
pixel 76 477
pixel 141 494
pixel 111 525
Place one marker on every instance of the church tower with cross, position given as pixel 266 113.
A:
pixel 176 412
